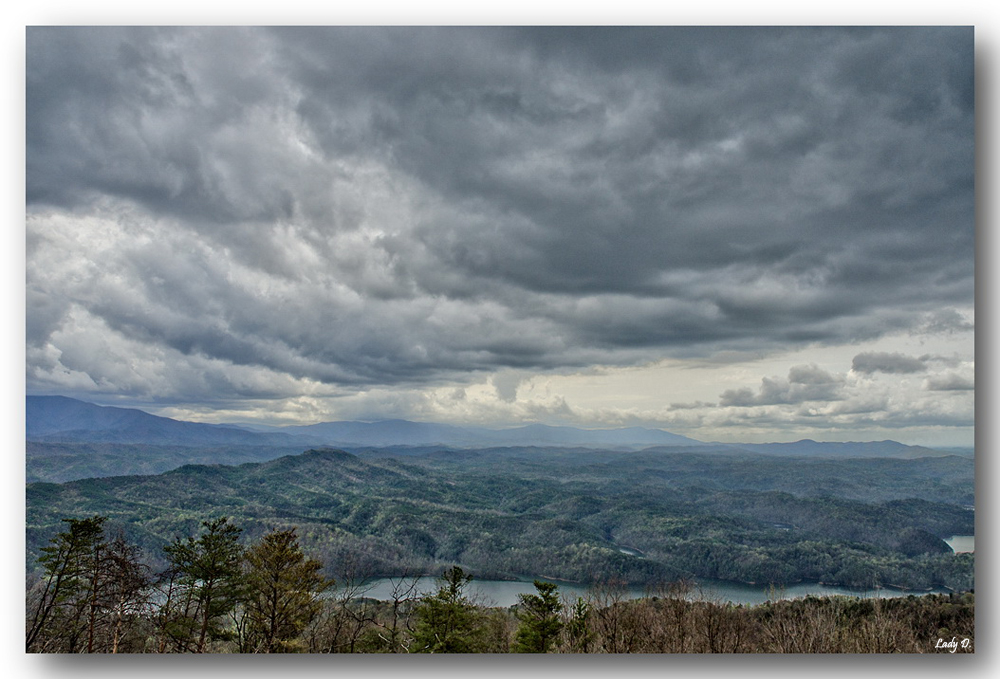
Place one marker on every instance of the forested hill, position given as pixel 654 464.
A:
pixel 576 515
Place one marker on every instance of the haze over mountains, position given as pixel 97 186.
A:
pixel 403 432
pixel 60 419
pixel 63 420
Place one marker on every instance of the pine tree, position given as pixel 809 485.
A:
pixel 93 591
pixel 283 591
pixel 578 627
pixel 59 619
pixel 446 621
pixel 540 623
pixel 204 584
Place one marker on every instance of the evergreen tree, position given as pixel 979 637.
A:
pixel 204 585
pixel 283 591
pixel 446 621
pixel 578 627
pixel 70 561
pixel 539 619
pixel 93 591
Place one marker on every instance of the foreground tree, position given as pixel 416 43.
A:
pixel 447 622
pixel 203 585
pixel 94 596
pixel 391 628
pixel 348 614
pixel 70 562
pixel 283 590
pixel 126 594
pixel 579 636
pixel 540 623
pixel 93 591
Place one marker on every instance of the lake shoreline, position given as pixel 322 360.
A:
pixel 505 593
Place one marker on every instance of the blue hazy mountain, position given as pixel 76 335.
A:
pixel 404 432
pixel 58 419
pixel 810 448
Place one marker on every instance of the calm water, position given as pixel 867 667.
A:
pixel 962 543
pixel 504 592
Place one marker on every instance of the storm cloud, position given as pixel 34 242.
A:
pixel 230 213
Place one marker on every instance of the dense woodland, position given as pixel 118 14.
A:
pixel 219 594
pixel 563 514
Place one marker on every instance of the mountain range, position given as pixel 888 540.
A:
pixel 69 439
pixel 403 432
pixel 59 419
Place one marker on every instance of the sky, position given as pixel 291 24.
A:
pixel 734 234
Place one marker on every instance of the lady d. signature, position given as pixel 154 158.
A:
pixel 952 646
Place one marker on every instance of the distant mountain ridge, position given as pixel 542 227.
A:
pixel 808 448
pixel 402 432
pixel 59 419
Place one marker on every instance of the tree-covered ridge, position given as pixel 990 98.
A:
pixel 61 462
pixel 219 593
pixel 584 517
pixel 949 479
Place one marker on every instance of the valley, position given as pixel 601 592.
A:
pixel 793 517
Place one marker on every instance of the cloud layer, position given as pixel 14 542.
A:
pixel 222 214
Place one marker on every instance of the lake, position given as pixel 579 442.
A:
pixel 504 592
pixel 962 543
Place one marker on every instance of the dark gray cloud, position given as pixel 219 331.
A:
pixel 362 206
pixel 945 321
pixel 886 362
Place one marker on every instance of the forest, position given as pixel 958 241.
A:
pixel 581 516
pixel 218 594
